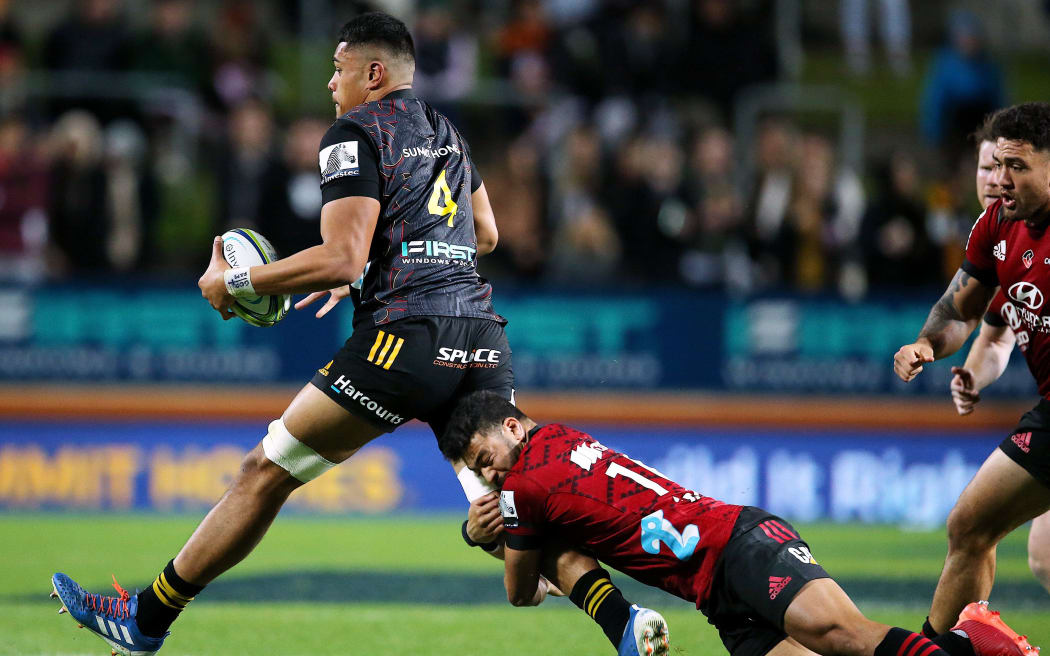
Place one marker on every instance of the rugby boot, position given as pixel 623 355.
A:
pixel 989 634
pixel 646 634
pixel 110 618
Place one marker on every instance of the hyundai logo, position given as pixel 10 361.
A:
pixel 1028 294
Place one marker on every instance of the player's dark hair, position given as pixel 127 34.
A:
pixel 475 412
pixel 981 134
pixel 1025 122
pixel 378 28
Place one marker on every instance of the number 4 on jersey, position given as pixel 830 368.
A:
pixel 443 195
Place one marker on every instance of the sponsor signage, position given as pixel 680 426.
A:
pixel 671 339
pixel 910 478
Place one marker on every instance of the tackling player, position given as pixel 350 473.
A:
pixel 1007 250
pixel 1000 330
pixel 400 193
pixel 747 570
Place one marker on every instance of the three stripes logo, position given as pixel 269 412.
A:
pixel 776 584
pixel 113 630
pixel 1023 441
pixel 381 354
pixel 774 530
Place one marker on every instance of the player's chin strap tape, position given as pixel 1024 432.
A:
pixel 292 455
pixel 473 485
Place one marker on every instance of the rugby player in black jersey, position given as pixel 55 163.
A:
pixel 400 195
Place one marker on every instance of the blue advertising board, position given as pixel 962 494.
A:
pixel 910 478
pixel 660 339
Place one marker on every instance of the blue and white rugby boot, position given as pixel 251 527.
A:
pixel 110 618
pixel 646 634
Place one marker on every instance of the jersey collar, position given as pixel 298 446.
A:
pixel 400 94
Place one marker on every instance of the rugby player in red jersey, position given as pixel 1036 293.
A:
pixel 1008 250
pixel 747 570
pixel 1000 330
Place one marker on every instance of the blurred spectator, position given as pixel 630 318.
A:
pixel 77 199
pixel 240 46
pixel 585 248
pixel 725 53
pixel 172 46
pixel 896 247
pixel 244 161
pixel 12 60
pixel 637 52
pixel 524 36
pixel 518 195
pixel 895 27
pixel 962 85
pixel 716 246
pixel 775 148
pixel 446 58
pixel 131 196
pixel 94 40
pixel 23 200
pixel 290 203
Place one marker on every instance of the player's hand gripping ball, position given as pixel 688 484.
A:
pixel 243 247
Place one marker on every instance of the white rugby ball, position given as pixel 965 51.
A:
pixel 244 247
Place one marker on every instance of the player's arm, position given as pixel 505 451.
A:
pixel 484 221
pixel 985 363
pixel 950 322
pixel 521 577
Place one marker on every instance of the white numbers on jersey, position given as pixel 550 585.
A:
pixel 441 202
pixel 615 470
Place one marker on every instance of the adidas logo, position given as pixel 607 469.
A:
pixel 1023 441
pixel 776 584
pixel 1000 251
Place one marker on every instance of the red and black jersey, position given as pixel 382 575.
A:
pixel 631 517
pixel 1015 257
pixel 423 256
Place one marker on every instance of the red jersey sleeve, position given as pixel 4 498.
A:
pixel 980 246
pixel 522 503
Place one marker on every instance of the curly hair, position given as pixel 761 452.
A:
pixel 475 412
pixel 1025 122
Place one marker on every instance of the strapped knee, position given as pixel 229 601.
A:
pixel 293 456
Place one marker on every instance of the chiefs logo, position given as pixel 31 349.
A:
pixel 1027 294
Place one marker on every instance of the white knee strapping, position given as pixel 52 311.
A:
pixel 290 454
pixel 473 485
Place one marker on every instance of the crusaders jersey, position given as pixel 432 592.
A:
pixel 1017 259
pixel 631 517
pixel 423 256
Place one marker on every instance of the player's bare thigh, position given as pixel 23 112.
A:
pixel 323 425
pixel 1039 549
pixel 1001 497
pixel 823 617
pixel 790 647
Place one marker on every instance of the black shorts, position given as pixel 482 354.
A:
pixel 417 368
pixel 1029 444
pixel 764 565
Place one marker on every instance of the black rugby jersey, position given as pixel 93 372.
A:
pixel 423 256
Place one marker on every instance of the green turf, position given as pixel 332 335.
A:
pixel 355 565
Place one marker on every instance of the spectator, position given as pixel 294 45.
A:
pixel 23 200
pixel 962 86
pixel 896 247
pixel 12 61
pixel 131 197
pixel 290 202
pixel 173 47
pixel 446 59
pixel 518 193
pixel 240 45
pixel 896 34
pixel 245 160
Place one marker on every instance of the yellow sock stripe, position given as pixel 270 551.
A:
pixel 598 602
pixel 157 590
pixel 393 355
pixel 605 585
pixel 594 588
pixel 386 347
pixel 176 597
pixel 375 347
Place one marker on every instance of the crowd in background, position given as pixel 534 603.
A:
pixel 605 130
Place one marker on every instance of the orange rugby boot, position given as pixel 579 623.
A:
pixel 989 634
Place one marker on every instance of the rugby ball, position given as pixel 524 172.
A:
pixel 244 247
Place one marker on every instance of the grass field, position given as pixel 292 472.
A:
pixel 407 585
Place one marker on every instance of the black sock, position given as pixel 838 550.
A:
pixel 161 603
pixel 954 644
pixel 902 642
pixel 596 595
pixel 928 630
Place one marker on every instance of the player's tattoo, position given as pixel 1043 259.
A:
pixel 957 312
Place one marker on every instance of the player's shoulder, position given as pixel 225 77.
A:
pixel 344 128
